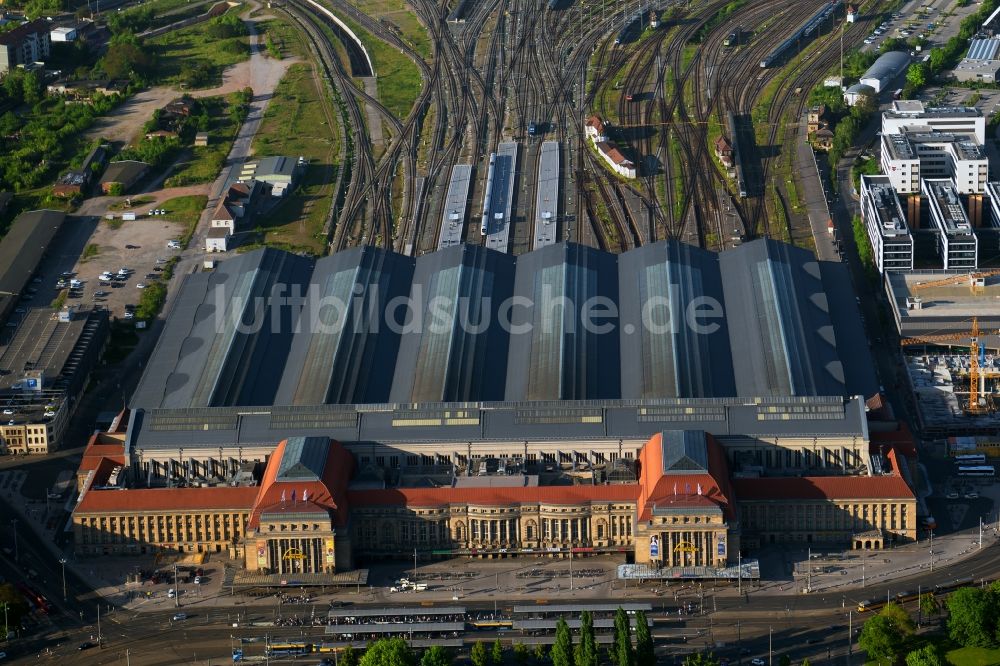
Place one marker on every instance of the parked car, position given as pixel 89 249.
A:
pixel 180 616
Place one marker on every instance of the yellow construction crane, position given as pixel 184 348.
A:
pixel 977 378
pixel 975 281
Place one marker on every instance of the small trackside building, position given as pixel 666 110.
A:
pixel 892 244
pixel 596 131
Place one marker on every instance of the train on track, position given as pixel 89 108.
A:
pixel 911 595
pixel 804 32
pixel 630 30
pixel 741 183
pixel 733 38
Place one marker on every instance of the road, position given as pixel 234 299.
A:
pixel 799 625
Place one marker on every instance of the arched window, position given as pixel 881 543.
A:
pixel 388 534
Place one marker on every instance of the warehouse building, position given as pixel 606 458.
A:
pixel 43 370
pixel 22 249
pixel 981 63
pixel 885 70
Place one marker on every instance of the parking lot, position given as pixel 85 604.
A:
pixel 139 246
pixel 936 22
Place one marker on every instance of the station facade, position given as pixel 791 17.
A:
pixel 311 512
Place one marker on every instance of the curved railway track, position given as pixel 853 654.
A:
pixel 513 62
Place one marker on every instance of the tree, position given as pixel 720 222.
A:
pixel 880 639
pixel 586 650
pixel 805 662
pixel 864 106
pixel 521 654
pixel 388 652
pixel 971 620
pixel 623 654
pixel 701 659
pixel 644 655
pixel 540 653
pixel 436 656
pixel 38 8
pixel 32 88
pixel 562 650
pixel 916 76
pixel 900 619
pixel 784 660
pixel 497 652
pixel 480 656
pixel 929 605
pixel 122 60
pixel 928 655
pixel 350 657
pixel 17 608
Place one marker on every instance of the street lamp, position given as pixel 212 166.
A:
pixel 62 561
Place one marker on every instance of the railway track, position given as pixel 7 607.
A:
pixel 514 62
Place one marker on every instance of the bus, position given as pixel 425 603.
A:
pixel 986 471
pixel 971 459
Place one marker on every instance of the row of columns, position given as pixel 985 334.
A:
pixel 283 555
pixel 674 548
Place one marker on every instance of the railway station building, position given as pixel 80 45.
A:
pixel 304 515
pixel 302 437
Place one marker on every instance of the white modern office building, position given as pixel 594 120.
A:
pixel 956 242
pixel 892 243
pixel 913 113
pixel 917 152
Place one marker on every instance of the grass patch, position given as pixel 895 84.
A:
pixel 60 300
pixel 151 302
pixel 286 39
pixel 298 122
pixel 688 55
pixel 205 162
pixel 399 81
pixel 678 179
pixel 132 202
pixel 193 58
pixel 973 656
pixel 401 20
pixel 90 251
pixel 186 211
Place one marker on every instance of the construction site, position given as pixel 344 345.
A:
pixel 949 328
